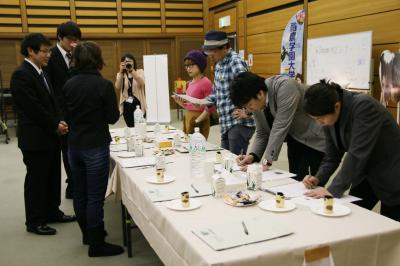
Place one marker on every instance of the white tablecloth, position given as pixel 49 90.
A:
pixel 361 238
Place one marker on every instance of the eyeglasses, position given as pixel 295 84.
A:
pixel 189 65
pixel 45 51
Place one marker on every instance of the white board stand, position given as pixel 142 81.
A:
pixel 343 59
pixel 157 88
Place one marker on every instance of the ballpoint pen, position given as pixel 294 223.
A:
pixel 245 228
pixel 194 188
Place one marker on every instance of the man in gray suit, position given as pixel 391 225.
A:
pixel 276 104
pixel 359 125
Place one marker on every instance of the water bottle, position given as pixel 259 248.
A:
pixel 137 115
pixel 142 128
pixel 197 154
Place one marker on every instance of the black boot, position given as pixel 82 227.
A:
pixel 98 247
pixel 82 226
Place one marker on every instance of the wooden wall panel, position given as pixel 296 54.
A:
pixel 8 63
pixel 109 52
pixel 265 42
pixel 257 5
pixel 185 16
pixel 384 30
pixel 266 63
pixel 10 17
pixel 141 17
pixel 214 3
pixel 326 10
pixel 135 47
pixel 273 21
pixel 230 12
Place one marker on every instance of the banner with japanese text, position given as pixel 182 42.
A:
pixel 292 47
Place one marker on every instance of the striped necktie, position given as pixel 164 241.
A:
pixel 69 57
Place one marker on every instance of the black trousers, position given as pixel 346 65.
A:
pixel 129 109
pixel 303 160
pixel 369 200
pixel 67 167
pixel 42 185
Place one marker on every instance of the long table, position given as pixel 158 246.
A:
pixel 361 238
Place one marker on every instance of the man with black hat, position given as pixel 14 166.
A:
pixel 235 132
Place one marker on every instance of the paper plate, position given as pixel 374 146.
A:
pixel 229 201
pixel 167 179
pixel 269 205
pixel 126 154
pixel 338 210
pixel 177 205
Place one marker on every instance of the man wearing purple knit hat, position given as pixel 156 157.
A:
pixel 235 131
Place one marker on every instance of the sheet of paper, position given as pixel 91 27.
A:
pixel 193 100
pixel 171 193
pixel 291 190
pixel 242 232
pixel 136 162
pixel 275 174
pixel 118 147
pixel 311 202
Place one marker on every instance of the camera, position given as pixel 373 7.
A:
pixel 128 66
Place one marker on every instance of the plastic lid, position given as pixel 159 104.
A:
pixel 137 106
pixel 196 129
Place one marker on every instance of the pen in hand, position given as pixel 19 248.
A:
pixel 245 228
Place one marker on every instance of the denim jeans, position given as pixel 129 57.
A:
pixel 237 138
pixel 90 169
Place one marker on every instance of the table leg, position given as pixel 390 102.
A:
pixel 123 217
pixel 128 234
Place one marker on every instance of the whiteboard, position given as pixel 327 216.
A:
pixel 157 88
pixel 343 59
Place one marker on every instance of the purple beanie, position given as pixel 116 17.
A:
pixel 198 58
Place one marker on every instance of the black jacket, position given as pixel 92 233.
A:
pixel 371 138
pixel 38 112
pixel 90 105
pixel 58 73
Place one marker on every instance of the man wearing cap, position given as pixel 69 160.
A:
pixel 235 132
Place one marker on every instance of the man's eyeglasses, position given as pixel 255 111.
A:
pixel 45 51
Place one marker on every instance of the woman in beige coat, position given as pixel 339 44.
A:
pixel 129 86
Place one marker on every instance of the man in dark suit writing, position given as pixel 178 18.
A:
pixel 39 126
pixel 362 127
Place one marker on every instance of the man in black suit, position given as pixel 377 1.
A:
pixel 59 71
pixel 39 128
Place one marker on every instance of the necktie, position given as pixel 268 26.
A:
pixel 69 57
pixel 45 81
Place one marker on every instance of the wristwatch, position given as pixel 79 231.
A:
pixel 266 162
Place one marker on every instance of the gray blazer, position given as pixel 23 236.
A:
pixel 371 138
pixel 285 97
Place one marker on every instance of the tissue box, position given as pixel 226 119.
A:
pixel 234 182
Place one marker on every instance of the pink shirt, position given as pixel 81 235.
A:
pixel 199 89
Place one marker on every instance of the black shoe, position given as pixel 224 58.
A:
pixel 42 230
pixel 62 219
pixel 69 193
pixel 105 250
pixel 98 247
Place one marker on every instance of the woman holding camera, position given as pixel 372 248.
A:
pixel 130 88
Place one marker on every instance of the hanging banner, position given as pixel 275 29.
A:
pixel 292 47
